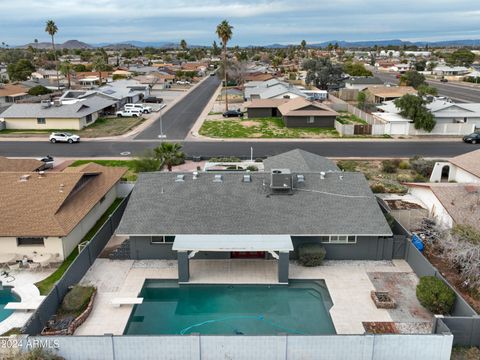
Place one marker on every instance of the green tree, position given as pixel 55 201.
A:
pixel 79 68
pixel 66 70
pixel 39 90
pixel 51 28
pixel 21 70
pixel 169 154
pixel 224 33
pixel 147 162
pixel 412 78
pixel 215 49
pixel 303 45
pixel 420 65
pixel 183 44
pixel 426 89
pixel 100 65
pixel 356 69
pixel 413 107
pixel 461 57
pixel 323 73
pixel 431 65
pixel 361 99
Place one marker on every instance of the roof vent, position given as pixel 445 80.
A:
pixel 57 102
pixel 45 104
pixel 322 175
pixel 300 178
pixel 180 178
pixel 247 178
pixel 195 175
pixel 281 179
pixel 218 178
pixel 24 177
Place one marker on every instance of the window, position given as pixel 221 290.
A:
pixel 89 118
pixel 41 121
pixel 162 239
pixel 310 120
pixel 339 239
pixel 30 241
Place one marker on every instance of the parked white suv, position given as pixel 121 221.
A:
pixel 64 137
pixel 143 108
pixel 129 113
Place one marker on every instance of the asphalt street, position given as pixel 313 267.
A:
pixel 361 149
pixel 179 119
pixel 457 92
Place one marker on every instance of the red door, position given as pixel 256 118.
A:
pixel 248 255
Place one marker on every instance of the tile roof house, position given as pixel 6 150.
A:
pixel 215 215
pixel 125 91
pixel 296 112
pixel 23 165
pixel 10 93
pixel 380 93
pixel 51 212
pixel 75 114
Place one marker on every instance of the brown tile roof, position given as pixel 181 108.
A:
pixel 28 165
pixel 390 91
pixel 469 162
pixel 265 103
pixel 301 107
pixel 54 203
pixel 85 74
pixel 12 89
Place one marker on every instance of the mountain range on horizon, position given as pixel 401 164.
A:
pixel 76 44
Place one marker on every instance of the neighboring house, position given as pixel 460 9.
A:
pixel 11 93
pixel 125 91
pixel 460 169
pixel 304 199
pixel 47 74
pixel 91 79
pixel 3 73
pixel 73 115
pixel 51 212
pixel 360 83
pixel 20 165
pixel 258 77
pixel 271 89
pixel 444 70
pixel 296 112
pixel 381 93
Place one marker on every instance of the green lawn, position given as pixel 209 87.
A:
pixel 348 118
pixel 131 174
pixel 31 132
pixel 110 127
pixel 260 128
pixel 47 284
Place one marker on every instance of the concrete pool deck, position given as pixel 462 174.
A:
pixel 348 283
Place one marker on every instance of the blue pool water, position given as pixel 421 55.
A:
pixel 6 296
pixel 168 308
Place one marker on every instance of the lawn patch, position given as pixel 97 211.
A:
pixel 130 175
pixel 110 127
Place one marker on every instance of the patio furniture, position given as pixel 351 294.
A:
pixel 8 258
pixel 15 266
pixel 117 302
pixel 34 266
pixel 43 259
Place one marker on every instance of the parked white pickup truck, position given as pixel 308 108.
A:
pixel 129 113
pixel 143 108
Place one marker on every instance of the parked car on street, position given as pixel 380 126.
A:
pixel 473 138
pixel 153 100
pixel 232 113
pixel 443 80
pixel 143 108
pixel 182 82
pixel 64 137
pixel 129 113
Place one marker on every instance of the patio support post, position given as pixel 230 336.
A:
pixel 183 266
pixel 283 266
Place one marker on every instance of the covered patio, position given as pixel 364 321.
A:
pixel 187 246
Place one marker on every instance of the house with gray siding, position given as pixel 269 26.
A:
pixel 299 198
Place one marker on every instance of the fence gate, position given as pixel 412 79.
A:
pixel 362 129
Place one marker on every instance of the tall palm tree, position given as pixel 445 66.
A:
pixel 170 154
pixel 66 70
pixel 99 65
pixel 224 33
pixel 51 28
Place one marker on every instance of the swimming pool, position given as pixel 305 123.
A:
pixel 6 296
pixel 168 308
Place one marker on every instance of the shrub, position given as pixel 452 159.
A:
pixel 422 166
pixel 39 90
pixel 77 299
pixel 38 354
pixel 258 160
pixel 311 254
pixel 377 188
pixel 404 165
pixel 404 178
pixel 420 178
pixel 347 165
pixel 252 168
pixel 390 166
pixel 435 295
pixel 225 159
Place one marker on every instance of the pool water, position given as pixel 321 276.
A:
pixel 6 296
pixel 168 308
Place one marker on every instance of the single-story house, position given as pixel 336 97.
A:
pixel 259 77
pixel 47 74
pixel 449 203
pixel 380 93
pixel 444 70
pixel 48 83
pixel 464 168
pixel 296 112
pixel 10 93
pixel 360 83
pixel 271 89
pixel 50 213
pixel 73 115
pixel 20 165
pixel 125 91
pixel 265 214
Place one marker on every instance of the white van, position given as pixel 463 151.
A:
pixel 144 109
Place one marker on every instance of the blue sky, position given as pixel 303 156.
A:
pixel 255 22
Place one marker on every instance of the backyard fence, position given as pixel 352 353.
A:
pixel 74 273
pixel 280 347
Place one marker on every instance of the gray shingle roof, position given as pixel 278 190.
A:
pixel 80 109
pixel 364 80
pixel 341 203
pixel 299 161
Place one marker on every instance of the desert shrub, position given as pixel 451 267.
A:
pixel 420 178
pixel 38 354
pixel 347 165
pixel 377 188
pixel 390 166
pixel 225 159
pixel 422 166
pixel 404 178
pixel 311 254
pixel 258 160
pixel 435 295
pixel 252 168
pixel 404 165
pixel 77 299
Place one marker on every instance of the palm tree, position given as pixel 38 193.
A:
pixel 303 44
pixel 224 33
pixel 99 65
pixel 170 154
pixel 66 70
pixel 183 44
pixel 52 29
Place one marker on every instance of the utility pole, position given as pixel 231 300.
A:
pixel 161 135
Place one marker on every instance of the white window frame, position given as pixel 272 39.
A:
pixel 341 239
pixel 160 242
